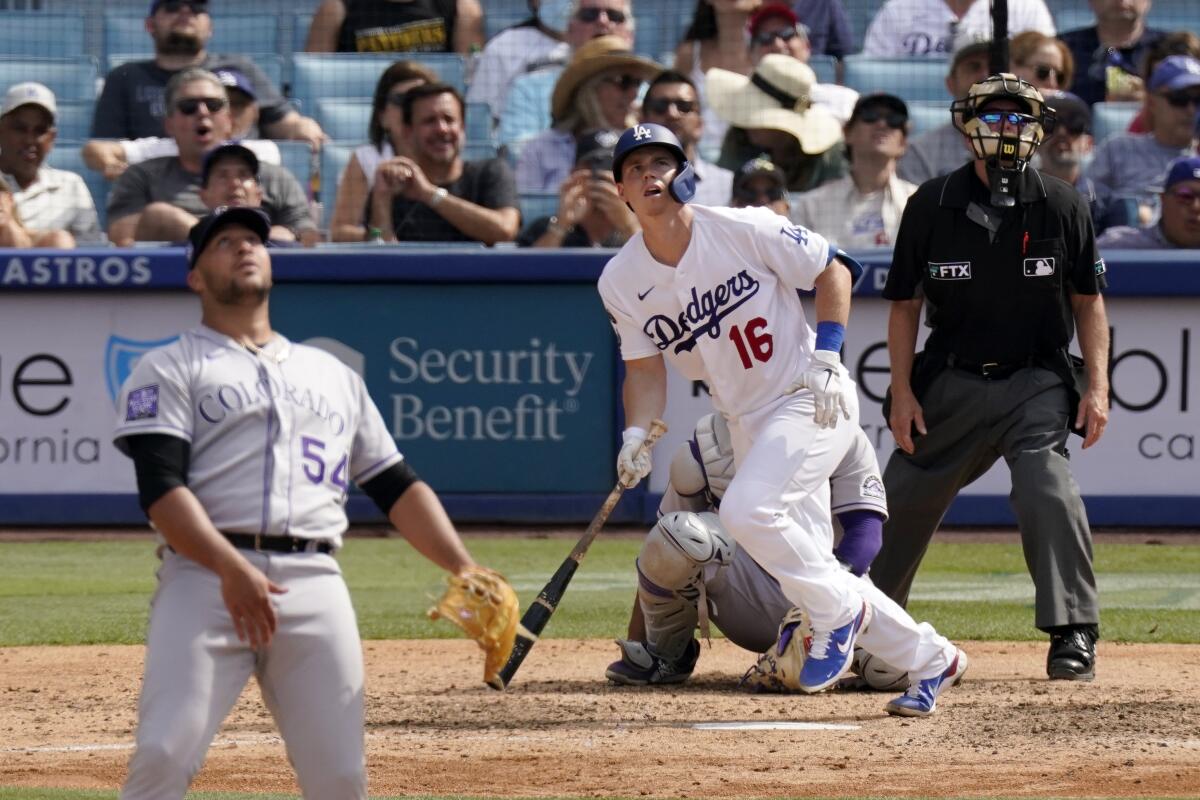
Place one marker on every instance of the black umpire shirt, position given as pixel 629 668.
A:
pixel 996 282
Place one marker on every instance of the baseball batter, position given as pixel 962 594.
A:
pixel 244 446
pixel 714 290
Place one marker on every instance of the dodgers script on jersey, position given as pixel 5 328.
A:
pixel 728 314
pixel 316 428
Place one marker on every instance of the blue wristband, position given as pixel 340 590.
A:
pixel 830 335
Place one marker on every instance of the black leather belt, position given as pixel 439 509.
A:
pixel 989 370
pixel 278 544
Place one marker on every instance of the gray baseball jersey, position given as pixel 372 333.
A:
pixel 276 437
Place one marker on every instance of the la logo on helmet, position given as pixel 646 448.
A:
pixel 641 132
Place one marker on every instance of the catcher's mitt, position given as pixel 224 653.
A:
pixel 778 669
pixel 481 602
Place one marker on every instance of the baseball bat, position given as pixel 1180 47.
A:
pixel 538 614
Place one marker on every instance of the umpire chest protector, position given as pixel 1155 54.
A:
pixel 996 281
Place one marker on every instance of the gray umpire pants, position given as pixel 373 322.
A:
pixel 972 422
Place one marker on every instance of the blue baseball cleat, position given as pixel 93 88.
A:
pixel 831 653
pixel 921 698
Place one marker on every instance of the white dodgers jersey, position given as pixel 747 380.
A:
pixel 729 313
pixel 276 437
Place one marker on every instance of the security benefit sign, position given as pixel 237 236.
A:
pixel 62 361
pixel 486 388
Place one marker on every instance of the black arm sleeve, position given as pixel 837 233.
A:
pixel 161 464
pixel 388 486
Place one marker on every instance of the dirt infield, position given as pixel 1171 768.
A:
pixel 67 716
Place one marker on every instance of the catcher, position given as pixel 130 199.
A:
pixel 690 571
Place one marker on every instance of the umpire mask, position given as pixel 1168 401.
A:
pixel 1005 120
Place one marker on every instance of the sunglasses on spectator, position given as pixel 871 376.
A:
pixel 764 38
pixel 1182 99
pixel 660 105
pixel 747 195
pixel 175 6
pixel 894 119
pixel 190 105
pixel 1185 195
pixel 593 15
pixel 1043 72
pixel 622 82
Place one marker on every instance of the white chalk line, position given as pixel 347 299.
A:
pixel 774 726
pixel 93 748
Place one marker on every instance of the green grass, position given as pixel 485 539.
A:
pixel 98 592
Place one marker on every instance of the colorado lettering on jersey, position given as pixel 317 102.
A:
pixel 950 271
pixel 235 398
pixel 702 314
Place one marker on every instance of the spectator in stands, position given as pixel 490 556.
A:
pixel 1108 54
pixel 775 28
pixel 535 43
pixel 864 208
pixel 673 102
pixel 385 140
pixel 527 110
pixel 131 105
pixel 590 212
pixel 13 232
pixel 229 177
pixel 159 199
pixel 1125 166
pixel 596 90
pixel 759 182
pixel 55 204
pixel 396 26
pixel 1179 225
pixel 827 27
pixel 1041 60
pixel 1175 43
pixel 1067 147
pixel 772 112
pixel 111 157
pixel 930 28
pixel 942 150
pixel 431 194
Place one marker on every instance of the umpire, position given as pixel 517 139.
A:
pixel 1006 260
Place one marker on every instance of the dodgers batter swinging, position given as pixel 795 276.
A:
pixel 244 445
pixel 713 290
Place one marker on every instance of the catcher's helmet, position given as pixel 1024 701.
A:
pixel 683 185
pixel 1009 141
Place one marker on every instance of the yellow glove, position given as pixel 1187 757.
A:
pixel 481 602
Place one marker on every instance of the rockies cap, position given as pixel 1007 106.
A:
pixel 29 94
pixel 760 166
pixel 1181 169
pixel 234 79
pixel 1174 73
pixel 222 217
pixel 232 149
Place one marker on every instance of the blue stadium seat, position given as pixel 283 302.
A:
pixel 41 35
pixel 478 151
pixel 69 78
pixel 334 158
pixel 536 205
pixel 300 24
pixel 296 158
pixel 125 32
pixel 347 120
pixel 74 120
pixel 66 155
pixel 1110 118
pixel 825 68
pixel 1069 18
pixel 861 12
pixel 927 114
pixel 269 63
pixel 909 78
pixel 501 14
pixel 320 75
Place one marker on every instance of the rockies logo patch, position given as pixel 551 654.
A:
pixel 142 403
pixel 872 486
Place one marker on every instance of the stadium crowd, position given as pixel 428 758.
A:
pixel 442 133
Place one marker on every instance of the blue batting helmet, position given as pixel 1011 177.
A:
pixel 683 185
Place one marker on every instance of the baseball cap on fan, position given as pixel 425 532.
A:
pixel 1181 169
pixel 1174 73
pixel 772 10
pixel 154 4
pixel 29 94
pixel 234 79
pixel 968 43
pixel 231 149
pixel 222 217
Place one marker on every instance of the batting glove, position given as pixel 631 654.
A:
pixel 633 462
pixel 824 379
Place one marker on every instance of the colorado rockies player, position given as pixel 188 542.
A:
pixel 714 291
pixel 244 446
pixel 690 568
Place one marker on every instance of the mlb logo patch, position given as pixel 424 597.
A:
pixel 1039 267
pixel 950 271
pixel 142 403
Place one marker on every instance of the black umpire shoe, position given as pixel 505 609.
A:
pixel 1072 654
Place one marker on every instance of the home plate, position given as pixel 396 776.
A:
pixel 773 726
